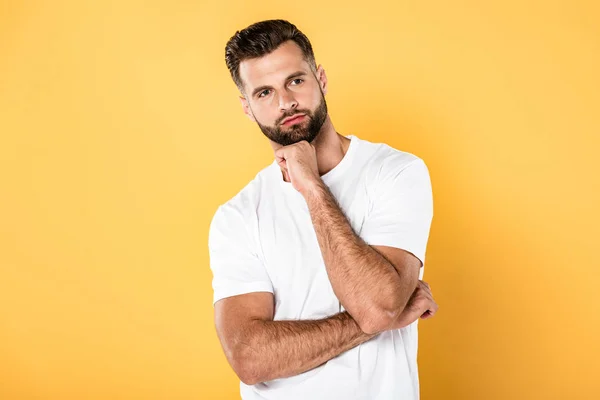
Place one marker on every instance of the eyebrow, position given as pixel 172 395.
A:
pixel 261 88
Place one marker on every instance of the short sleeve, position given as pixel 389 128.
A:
pixel 401 209
pixel 235 265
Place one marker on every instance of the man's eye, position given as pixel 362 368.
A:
pixel 298 79
pixel 265 92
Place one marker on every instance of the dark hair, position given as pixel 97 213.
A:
pixel 261 38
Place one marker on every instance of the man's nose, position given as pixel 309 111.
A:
pixel 287 101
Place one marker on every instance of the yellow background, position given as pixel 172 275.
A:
pixel 121 132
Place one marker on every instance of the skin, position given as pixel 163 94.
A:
pixel 377 285
pixel 290 97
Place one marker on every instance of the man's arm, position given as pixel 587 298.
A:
pixel 373 288
pixel 373 285
pixel 260 349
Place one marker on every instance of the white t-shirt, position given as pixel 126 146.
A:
pixel 263 240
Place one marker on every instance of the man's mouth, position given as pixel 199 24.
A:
pixel 295 120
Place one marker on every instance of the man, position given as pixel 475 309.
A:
pixel 317 261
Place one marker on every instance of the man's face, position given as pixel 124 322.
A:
pixel 281 85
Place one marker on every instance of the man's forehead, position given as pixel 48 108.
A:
pixel 273 67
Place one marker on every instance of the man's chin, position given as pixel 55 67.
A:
pixel 295 138
pixel 289 137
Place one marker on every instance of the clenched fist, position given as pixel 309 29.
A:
pixel 298 162
pixel 420 305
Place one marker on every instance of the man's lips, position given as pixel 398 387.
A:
pixel 294 119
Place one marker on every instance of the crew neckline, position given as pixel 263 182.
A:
pixel 335 172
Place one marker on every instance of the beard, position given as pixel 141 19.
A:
pixel 307 130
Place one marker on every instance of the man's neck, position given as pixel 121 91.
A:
pixel 331 147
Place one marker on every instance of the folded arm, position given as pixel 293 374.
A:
pixel 260 349
pixel 373 284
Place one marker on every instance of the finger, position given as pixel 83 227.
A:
pixel 428 300
pixel 280 157
pixel 428 304
pixel 287 151
pixel 281 153
pixel 425 293
pixel 433 308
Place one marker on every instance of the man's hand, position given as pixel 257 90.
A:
pixel 420 304
pixel 298 162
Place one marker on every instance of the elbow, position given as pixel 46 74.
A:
pixel 245 374
pixel 377 320
pixel 381 316
pixel 383 313
pixel 246 367
pixel 249 379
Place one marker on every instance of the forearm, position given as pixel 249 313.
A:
pixel 367 285
pixel 278 349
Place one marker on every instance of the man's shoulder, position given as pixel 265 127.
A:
pixel 385 159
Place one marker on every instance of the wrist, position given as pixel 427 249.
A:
pixel 314 189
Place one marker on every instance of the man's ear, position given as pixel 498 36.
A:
pixel 246 108
pixel 322 77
